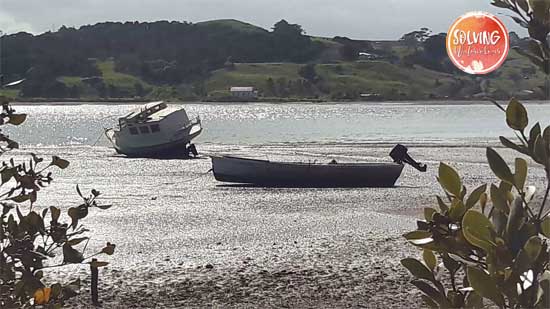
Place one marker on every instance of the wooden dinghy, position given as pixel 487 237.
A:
pixel 295 174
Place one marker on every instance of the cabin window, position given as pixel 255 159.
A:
pixel 144 130
pixel 134 131
pixel 155 128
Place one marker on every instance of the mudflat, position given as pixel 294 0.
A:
pixel 185 240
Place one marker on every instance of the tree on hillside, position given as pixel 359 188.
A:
pixel 291 43
pixel 413 40
pixel 434 46
pixel 285 29
pixel 348 52
pixel 308 72
pixel 270 90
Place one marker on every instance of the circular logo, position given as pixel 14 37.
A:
pixel 478 43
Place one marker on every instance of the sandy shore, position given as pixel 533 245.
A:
pixel 184 241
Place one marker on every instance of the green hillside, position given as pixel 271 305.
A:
pixel 232 24
pixel 185 61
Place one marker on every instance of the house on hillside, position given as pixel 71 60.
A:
pixel 244 92
pixel 364 56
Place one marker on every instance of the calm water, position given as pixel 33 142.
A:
pixel 285 123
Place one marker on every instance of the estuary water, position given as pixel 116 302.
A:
pixel 260 124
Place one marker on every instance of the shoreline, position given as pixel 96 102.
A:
pixel 290 102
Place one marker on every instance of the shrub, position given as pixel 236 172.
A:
pixel 30 239
pixel 493 246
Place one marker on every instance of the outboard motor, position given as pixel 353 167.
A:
pixel 191 149
pixel 399 155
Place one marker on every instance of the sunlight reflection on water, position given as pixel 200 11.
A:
pixel 284 123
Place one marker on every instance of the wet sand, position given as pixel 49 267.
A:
pixel 183 240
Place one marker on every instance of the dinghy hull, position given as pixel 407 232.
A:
pixel 266 173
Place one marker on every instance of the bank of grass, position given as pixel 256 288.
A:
pixel 390 81
pixel 119 80
pixel 377 77
pixel 251 74
pixel 121 83
pixel 336 80
pixel 9 93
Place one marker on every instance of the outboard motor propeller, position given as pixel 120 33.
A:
pixel 399 155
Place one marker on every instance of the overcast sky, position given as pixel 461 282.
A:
pixel 359 19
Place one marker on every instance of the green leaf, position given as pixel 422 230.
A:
pixel 442 206
pixel 541 155
pixel 429 259
pixel 534 132
pixel 77 213
pixel 70 255
pixel 500 4
pixel 516 219
pixel 17 119
pixel 61 163
pixel 484 285
pixel 523 5
pixel 499 166
pixel 76 241
pixel 109 249
pixel 56 212
pixel 7 174
pixel 475 196
pixel 533 248
pixel 449 179
pixel 428 213
pixel 429 301
pixel 418 235
pixel 432 293
pixel 56 290
pixel 478 230
pixel 546 134
pixel 516 115
pixel 499 199
pixel 545 227
pixel 540 9
pixel 457 210
pixel 474 301
pixel 417 269
pixel 499 221
pixel 509 144
pixel 520 175
pixel 21 198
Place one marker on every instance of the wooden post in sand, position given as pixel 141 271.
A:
pixel 95 272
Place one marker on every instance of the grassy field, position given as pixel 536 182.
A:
pixel 391 81
pixel 335 79
pixel 116 84
pixel 251 74
pixel 346 77
pixel 9 93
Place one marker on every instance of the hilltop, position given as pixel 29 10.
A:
pixel 201 61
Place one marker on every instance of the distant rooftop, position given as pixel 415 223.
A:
pixel 243 89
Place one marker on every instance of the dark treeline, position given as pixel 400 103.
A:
pixel 159 52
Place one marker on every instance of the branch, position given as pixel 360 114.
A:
pixel 545 196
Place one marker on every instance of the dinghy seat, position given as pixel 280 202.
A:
pixel 400 155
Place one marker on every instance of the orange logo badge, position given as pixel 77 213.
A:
pixel 478 43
